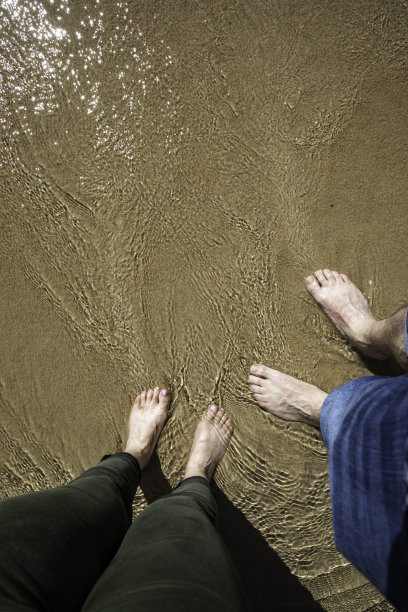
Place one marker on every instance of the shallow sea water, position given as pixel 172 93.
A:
pixel 170 173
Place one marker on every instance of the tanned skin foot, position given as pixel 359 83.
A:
pixel 210 442
pixel 146 420
pixel 286 397
pixel 347 308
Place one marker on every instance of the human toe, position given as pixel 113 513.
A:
pixel 149 395
pixel 256 380
pixel 312 282
pixel 210 413
pixel 258 369
pixel 227 428
pixel 224 419
pixel 218 415
pixel 329 276
pixel 143 396
pixel 164 398
pixel 345 278
pixel 321 278
pixel 313 286
pixel 156 392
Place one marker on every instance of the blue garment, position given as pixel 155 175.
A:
pixel 364 425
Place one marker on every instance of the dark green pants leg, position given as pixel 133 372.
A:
pixel 55 544
pixel 171 559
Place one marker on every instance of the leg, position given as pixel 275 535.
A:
pixel 347 308
pixel 172 558
pixel 364 425
pixel 390 335
pixel 56 543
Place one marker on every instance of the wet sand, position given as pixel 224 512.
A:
pixel 170 173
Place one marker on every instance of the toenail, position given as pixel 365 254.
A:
pixel 213 407
pixel 164 392
pixel 156 388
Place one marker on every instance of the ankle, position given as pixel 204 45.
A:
pixel 377 337
pixel 311 416
pixel 197 470
pixel 140 455
pixel 394 336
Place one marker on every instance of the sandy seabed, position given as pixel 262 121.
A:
pixel 170 173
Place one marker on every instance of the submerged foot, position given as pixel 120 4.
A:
pixel 286 397
pixel 210 442
pixel 346 307
pixel 146 420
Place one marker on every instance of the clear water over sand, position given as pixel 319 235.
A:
pixel 170 173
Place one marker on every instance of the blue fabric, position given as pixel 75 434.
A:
pixel 364 425
pixel 406 336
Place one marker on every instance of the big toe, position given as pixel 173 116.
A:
pixel 164 399
pixel 313 285
pixel 212 413
pixel 259 369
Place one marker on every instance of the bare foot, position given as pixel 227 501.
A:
pixel 346 307
pixel 286 397
pixel 146 421
pixel 210 442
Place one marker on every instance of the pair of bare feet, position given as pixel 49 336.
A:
pixel 280 394
pixel 147 417
pixel 347 308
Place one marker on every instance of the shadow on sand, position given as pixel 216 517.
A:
pixel 267 581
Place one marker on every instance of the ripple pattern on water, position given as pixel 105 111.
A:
pixel 170 173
